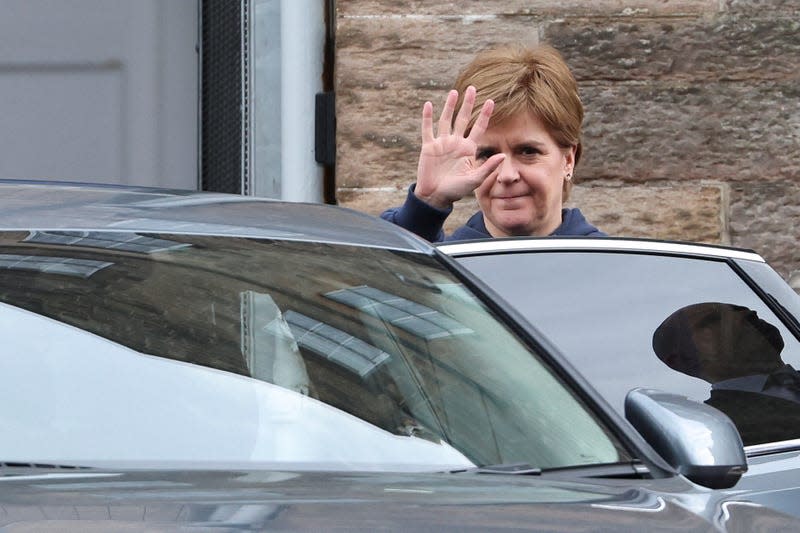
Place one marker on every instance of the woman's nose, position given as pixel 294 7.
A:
pixel 507 173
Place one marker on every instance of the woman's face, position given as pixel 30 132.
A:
pixel 524 195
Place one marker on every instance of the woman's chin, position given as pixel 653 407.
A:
pixel 518 223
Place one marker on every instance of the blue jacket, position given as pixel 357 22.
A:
pixel 427 221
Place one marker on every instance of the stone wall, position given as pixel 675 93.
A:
pixel 692 127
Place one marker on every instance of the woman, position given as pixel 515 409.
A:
pixel 515 142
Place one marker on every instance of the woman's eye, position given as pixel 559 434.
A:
pixel 484 154
pixel 529 150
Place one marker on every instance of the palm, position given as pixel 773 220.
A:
pixel 448 163
pixel 448 169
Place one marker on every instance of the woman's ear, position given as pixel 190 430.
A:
pixel 569 160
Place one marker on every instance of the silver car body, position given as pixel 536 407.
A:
pixel 108 430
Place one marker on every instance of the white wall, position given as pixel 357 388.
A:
pixel 100 91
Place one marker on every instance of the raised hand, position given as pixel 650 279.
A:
pixel 447 169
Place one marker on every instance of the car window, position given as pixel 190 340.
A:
pixel 683 325
pixel 776 288
pixel 169 349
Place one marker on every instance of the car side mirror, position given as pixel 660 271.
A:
pixel 697 440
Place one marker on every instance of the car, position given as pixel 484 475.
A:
pixel 178 360
pixel 714 324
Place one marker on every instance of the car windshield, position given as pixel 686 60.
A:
pixel 151 350
pixel 691 326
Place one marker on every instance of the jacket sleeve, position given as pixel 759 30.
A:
pixel 418 217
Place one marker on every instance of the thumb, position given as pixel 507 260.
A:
pixel 488 168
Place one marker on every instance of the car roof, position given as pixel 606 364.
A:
pixel 613 244
pixel 60 206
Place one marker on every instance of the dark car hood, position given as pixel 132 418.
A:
pixel 244 501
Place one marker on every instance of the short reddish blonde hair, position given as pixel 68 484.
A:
pixel 523 79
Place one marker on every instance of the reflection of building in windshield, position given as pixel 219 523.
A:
pixel 268 347
pixel 738 353
pixel 334 344
pixel 83 268
pixel 417 319
pixel 328 325
pixel 111 240
pixel 65 266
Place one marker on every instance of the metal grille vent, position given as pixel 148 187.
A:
pixel 222 95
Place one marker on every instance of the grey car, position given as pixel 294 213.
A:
pixel 714 324
pixel 194 361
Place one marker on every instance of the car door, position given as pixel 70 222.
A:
pixel 636 314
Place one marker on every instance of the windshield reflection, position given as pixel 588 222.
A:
pixel 244 350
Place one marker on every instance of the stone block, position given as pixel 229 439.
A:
pixel 733 46
pixel 392 52
pixel 371 201
pixel 366 8
pixel 766 218
pixel 378 139
pixel 673 131
pixel 730 46
pixel 682 212
pixel 761 7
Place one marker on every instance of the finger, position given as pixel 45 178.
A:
pixel 482 122
pixel 447 113
pixel 488 169
pixel 427 123
pixel 464 114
